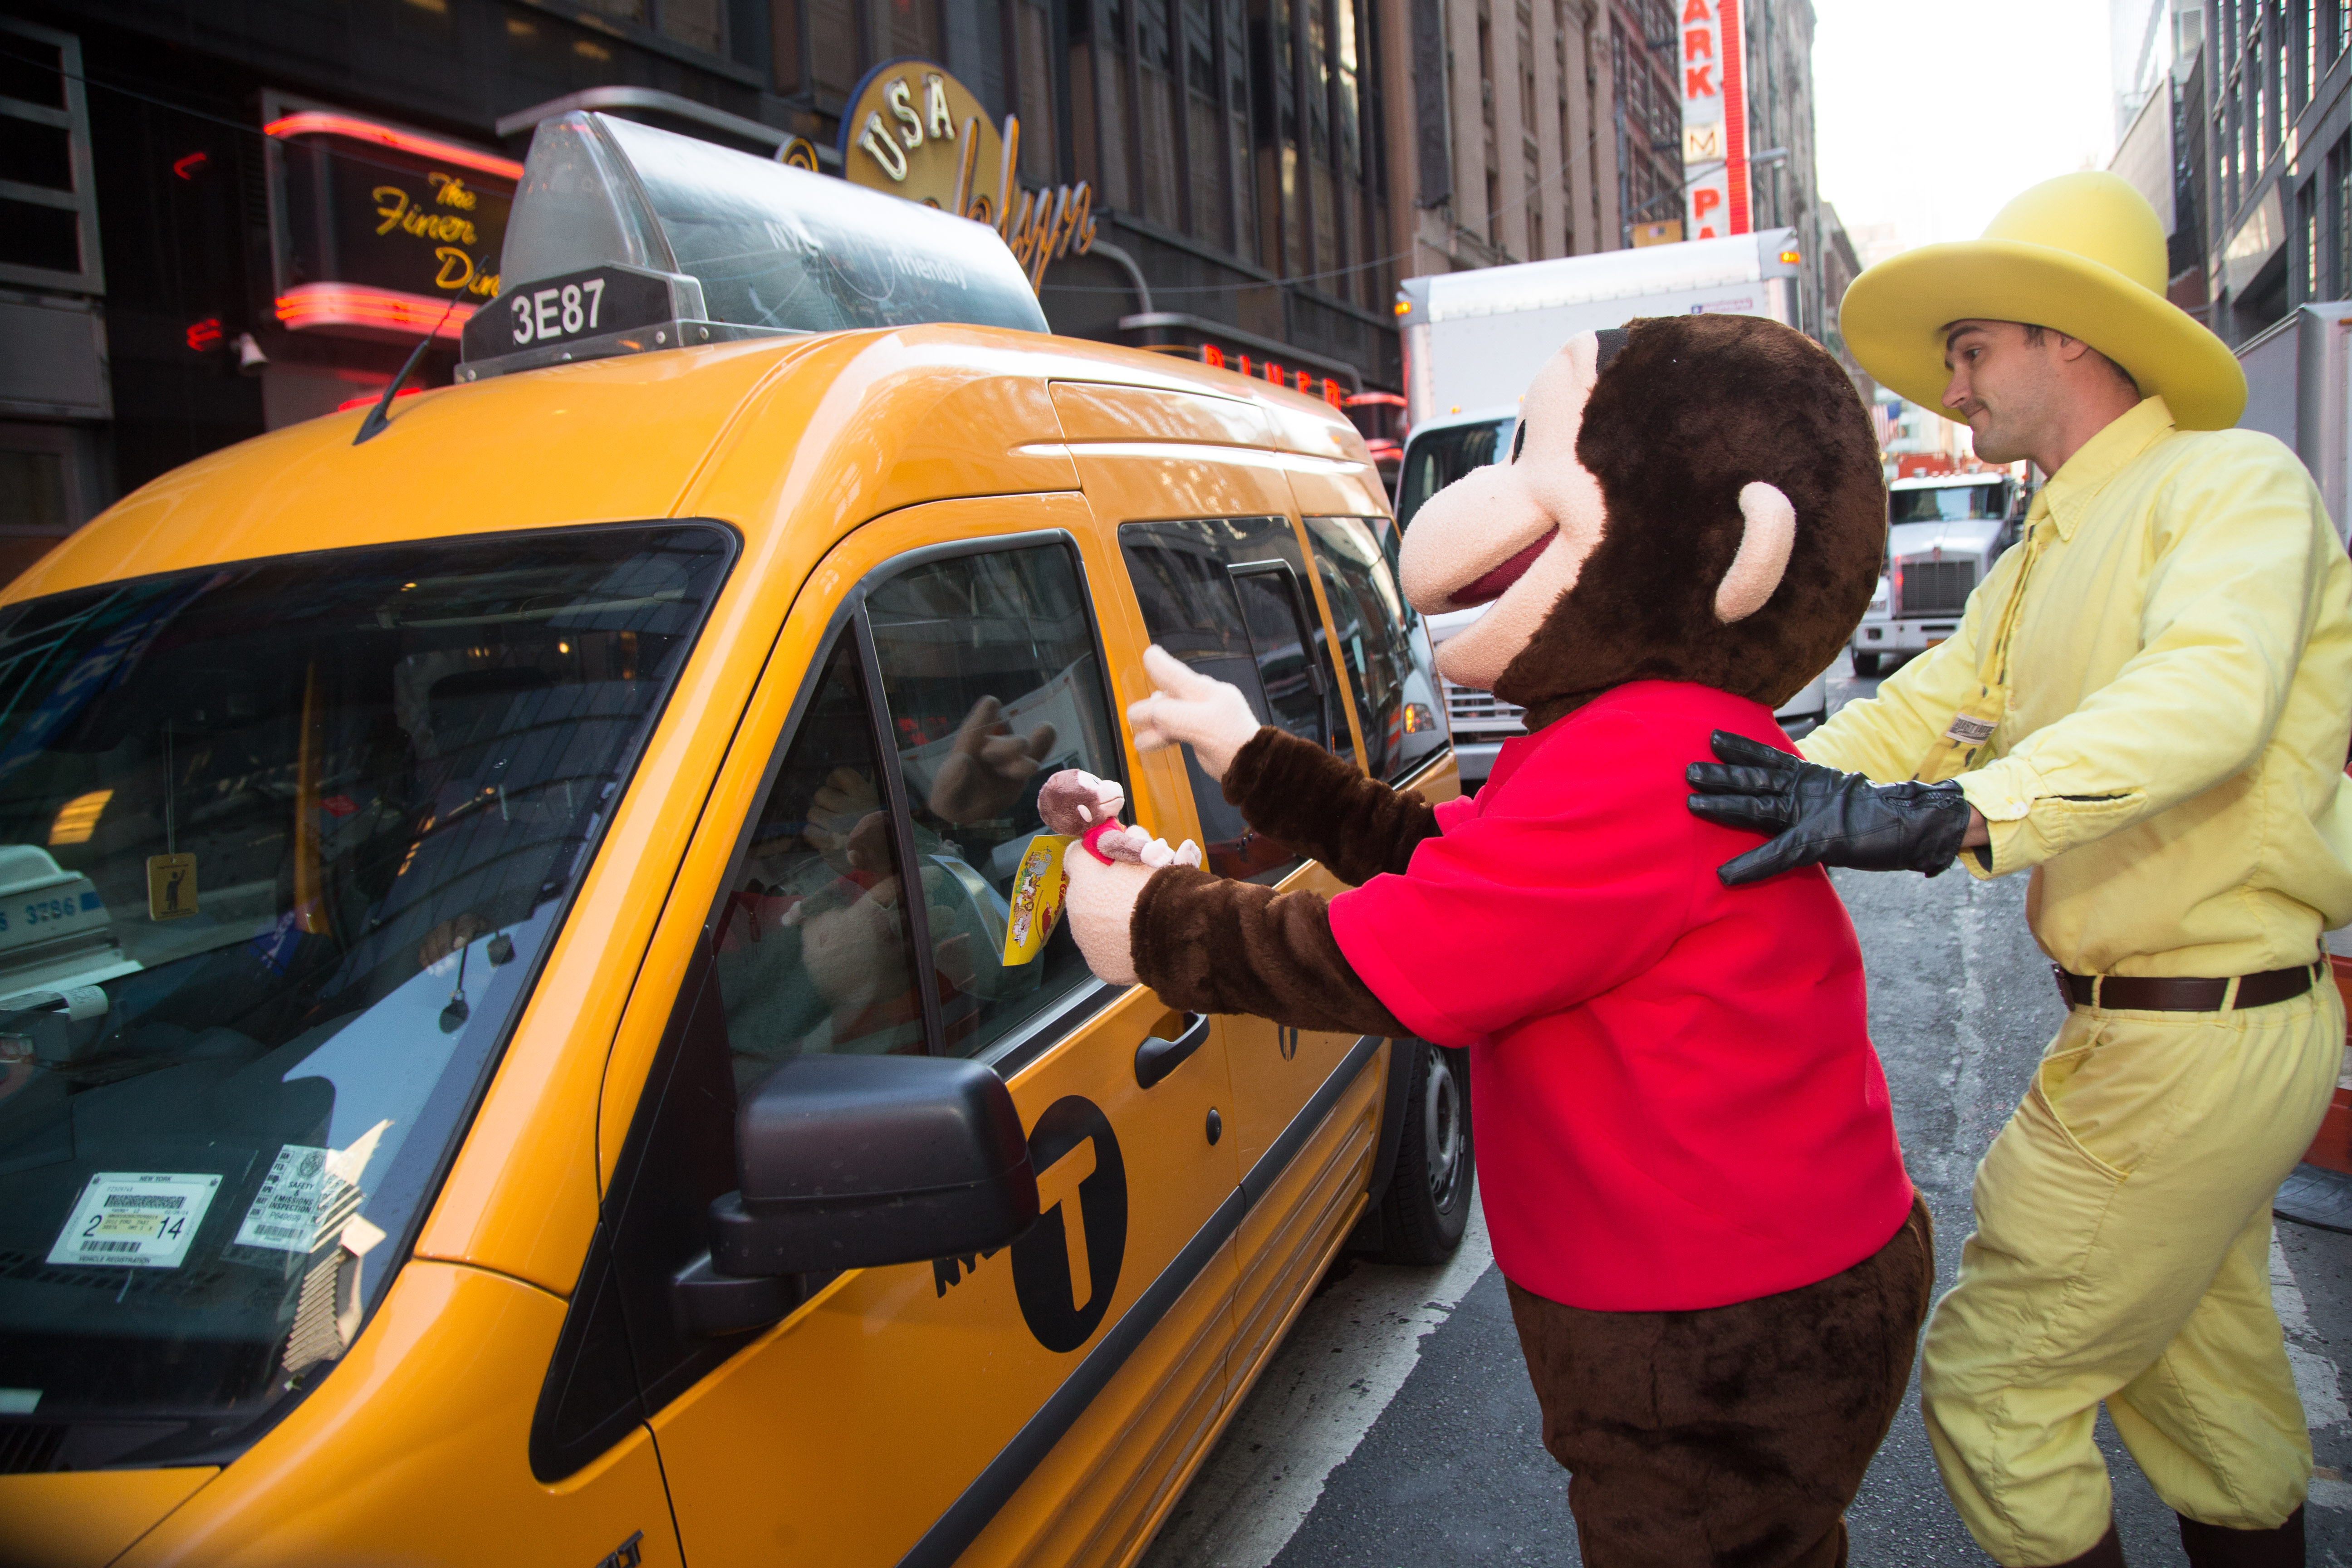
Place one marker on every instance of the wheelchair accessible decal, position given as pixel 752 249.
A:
pixel 1066 1267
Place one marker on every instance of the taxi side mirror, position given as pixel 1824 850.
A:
pixel 857 1162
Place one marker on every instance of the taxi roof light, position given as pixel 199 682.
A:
pixel 626 238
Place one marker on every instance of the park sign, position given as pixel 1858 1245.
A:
pixel 1715 121
pixel 914 131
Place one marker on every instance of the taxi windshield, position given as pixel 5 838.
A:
pixel 281 844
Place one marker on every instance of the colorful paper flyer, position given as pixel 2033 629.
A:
pixel 1036 898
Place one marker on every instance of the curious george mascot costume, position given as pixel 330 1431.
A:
pixel 1717 1264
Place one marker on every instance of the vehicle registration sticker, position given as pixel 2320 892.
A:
pixel 135 1219
pixel 283 1215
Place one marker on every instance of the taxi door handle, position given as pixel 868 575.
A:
pixel 1156 1058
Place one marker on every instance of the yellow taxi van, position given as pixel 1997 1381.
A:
pixel 506 1048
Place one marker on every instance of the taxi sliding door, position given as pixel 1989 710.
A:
pixel 1026 1404
pixel 1222 578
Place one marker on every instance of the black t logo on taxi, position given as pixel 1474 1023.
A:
pixel 1065 1267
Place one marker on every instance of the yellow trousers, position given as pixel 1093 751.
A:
pixel 2122 1253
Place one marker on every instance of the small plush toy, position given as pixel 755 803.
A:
pixel 1686 1154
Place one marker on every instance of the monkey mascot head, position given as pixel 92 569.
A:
pixel 1689 497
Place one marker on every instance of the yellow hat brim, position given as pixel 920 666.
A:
pixel 1894 313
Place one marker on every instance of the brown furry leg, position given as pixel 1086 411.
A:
pixel 1735 1436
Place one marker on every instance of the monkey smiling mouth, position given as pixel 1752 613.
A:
pixel 1491 585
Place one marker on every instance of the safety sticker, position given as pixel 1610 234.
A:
pixel 283 1215
pixel 135 1219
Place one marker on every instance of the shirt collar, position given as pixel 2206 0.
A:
pixel 2083 476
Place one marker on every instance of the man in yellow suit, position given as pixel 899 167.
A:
pixel 2146 705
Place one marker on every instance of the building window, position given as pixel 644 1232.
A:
pixel 697 24
pixel 1567 183
pixel 2339 219
pixel 1533 199
pixel 1486 68
pixel 2282 72
pixel 48 219
pixel 1155 139
pixel 2306 24
pixel 2307 240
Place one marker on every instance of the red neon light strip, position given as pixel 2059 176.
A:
pixel 352 130
pixel 1732 29
pixel 314 306
pixel 372 399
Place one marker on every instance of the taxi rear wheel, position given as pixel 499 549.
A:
pixel 1427 1206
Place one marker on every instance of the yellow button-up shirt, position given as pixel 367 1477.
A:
pixel 2170 755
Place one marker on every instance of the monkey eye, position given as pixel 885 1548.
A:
pixel 1519 441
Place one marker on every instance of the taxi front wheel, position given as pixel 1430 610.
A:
pixel 1427 1206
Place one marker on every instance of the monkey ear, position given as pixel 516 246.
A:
pixel 1769 531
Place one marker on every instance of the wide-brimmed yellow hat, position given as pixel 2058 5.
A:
pixel 2083 255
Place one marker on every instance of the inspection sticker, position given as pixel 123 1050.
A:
pixel 135 1219
pixel 285 1212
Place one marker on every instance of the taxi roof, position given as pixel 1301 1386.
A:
pixel 813 432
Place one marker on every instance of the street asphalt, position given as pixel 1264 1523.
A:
pixel 1396 1427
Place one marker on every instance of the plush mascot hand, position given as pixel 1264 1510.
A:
pixel 1823 816
pixel 1105 871
pixel 1212 716
pixel 987 766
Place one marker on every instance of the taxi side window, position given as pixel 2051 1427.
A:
pixel 1225 596
pixel 984 670
pixel 992 681
pixel 1390 672
pixel 812 952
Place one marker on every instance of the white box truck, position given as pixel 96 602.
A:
pixel 1472 340
pixel 2299 389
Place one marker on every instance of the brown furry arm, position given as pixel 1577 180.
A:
pixel 1295 792
pixel 1210 945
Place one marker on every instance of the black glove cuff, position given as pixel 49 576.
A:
pixel 1942 824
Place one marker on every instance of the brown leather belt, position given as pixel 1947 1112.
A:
pixel 2151 994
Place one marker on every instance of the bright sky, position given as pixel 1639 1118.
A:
pixel 1932 113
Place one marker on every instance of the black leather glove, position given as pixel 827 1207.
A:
pixel 1823 816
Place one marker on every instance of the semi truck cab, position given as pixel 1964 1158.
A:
pixel 1944 534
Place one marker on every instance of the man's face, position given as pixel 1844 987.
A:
pixel 2004 387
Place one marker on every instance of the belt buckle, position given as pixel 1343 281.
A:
pixel 2065 983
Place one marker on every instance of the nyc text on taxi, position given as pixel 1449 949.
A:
pixel 506 1049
